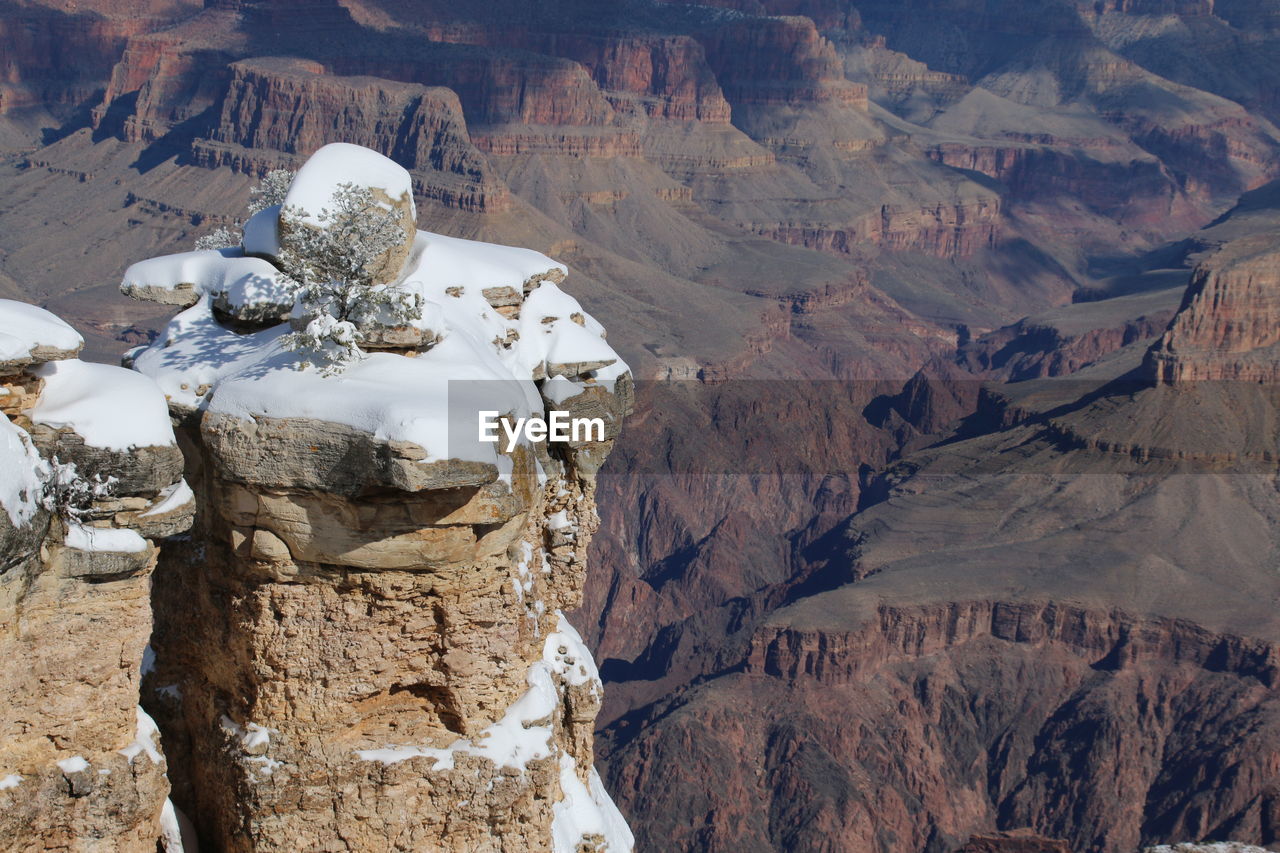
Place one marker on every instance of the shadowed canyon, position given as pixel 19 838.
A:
pixel 947 518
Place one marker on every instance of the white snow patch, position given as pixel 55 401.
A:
pixel 201 270
pixel 586 810
pixel 13 780
pixel 25 327
pixel 24 474
pixel 338 163
pixel 266 766
pixel 575 664
pixel 177 834
pixel 256 736
pixel 252 736
pixel 148 660
pixel 261 232
pixel 74 764
pixel 558 520
pixel 249 282
pixel 144 739
pixel 439 262
pixel 107 406
pixel 386 395
pixel 171 498
pixel 396 754
pixel 522 735
pixel 117 540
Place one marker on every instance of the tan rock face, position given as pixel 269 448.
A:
pixel 80 764
pixel 1227 327
pixel 361 646
pixel 392 620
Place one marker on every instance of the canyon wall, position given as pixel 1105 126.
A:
pixel 1226 329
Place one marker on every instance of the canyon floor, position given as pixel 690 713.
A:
pixel 949 506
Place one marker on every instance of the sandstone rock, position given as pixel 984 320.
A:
pixel 31 335
pixel 310 454
pixel 360 644
pixel 81 764
pixel 1226 328
pixel 139 470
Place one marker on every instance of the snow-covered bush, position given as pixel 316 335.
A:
pixel 270 191
pixel 69 494
pixel 335 262
pixel 221 237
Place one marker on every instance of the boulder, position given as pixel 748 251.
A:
pixel 340 163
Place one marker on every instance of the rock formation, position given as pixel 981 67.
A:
pixel 92 481
pixel 362 646
pixel 1227 329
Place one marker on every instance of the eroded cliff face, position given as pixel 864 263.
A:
pixel 1226 328
pixel 87 492
pixel 362 645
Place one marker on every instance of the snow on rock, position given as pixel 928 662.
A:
pixel 262 232
pixel 439 262
pixel 565 653
pixel 432 400
pixel 144 740
pixel 13 780
pixel 338 163
pixel 475 359
pixel 177 833
pixel 522 735
pixel 27 331
pixel 251 290
pixel 24 474
pixel 524 732
pixel 586 810
pixel 171 498
pixel 385 395
pixel 116 540
pixel 253 740
pixel 107 406
pixel 74 764
pixel 195 351
pixel 178 279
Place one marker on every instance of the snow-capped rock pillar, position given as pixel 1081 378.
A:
pixel 363 646
pixel 90 480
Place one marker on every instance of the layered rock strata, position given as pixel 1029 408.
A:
pixel 90 481
pixel 1227 326
pixel 363 647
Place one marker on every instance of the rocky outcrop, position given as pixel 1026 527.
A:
pixel 363 645
pixel 1227 326
pixel 943 231
pixel 92 482
pixel 1062 341
pixel 276 111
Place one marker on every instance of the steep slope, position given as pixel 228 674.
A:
pixel 1065 624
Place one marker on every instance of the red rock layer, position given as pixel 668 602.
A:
pixel 925 727
pixel 291 107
